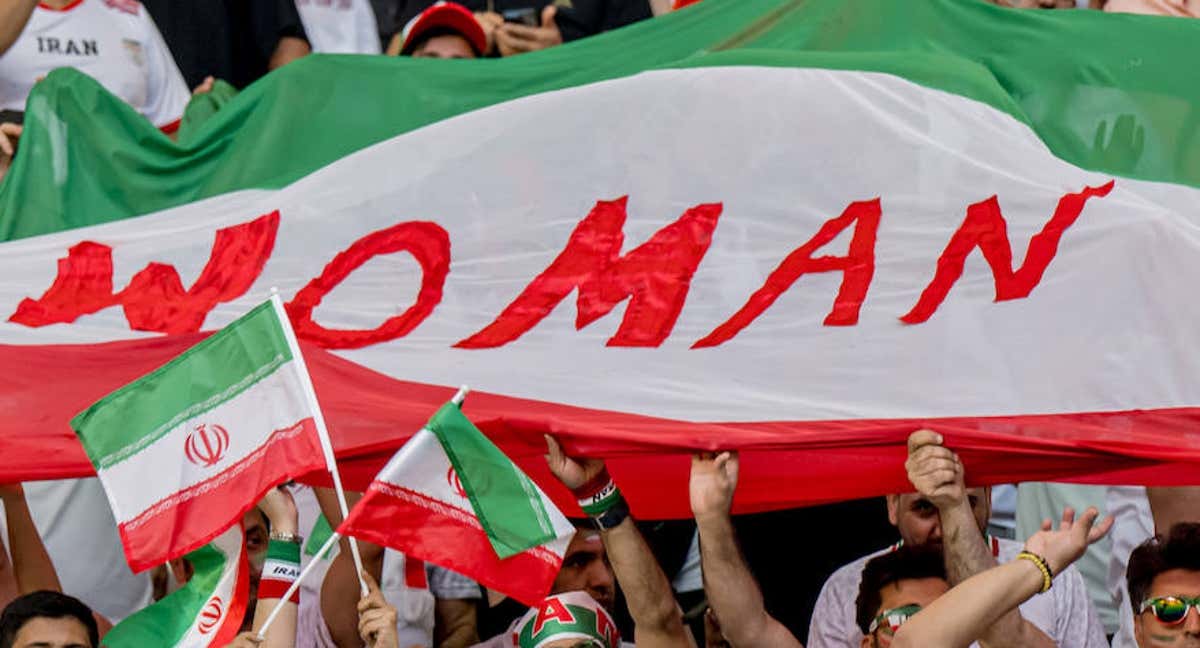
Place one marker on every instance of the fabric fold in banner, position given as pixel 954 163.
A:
pixel 184 451
pixel 452 498
pixel 206 611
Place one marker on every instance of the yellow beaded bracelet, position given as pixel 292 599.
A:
pixel 1042 565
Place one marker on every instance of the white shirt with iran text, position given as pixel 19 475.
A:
pixel 1065 613
pixel 113 41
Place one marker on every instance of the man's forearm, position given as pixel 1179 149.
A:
pixel 13 16
pixel 964 613
pixel 31 563
pixel 656 615
pixel 732 591
pixel 966 554
pixel 966 551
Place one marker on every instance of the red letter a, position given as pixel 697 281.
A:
pixel 985 228
pixel 655 277
pixel 856 267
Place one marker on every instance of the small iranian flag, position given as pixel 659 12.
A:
pixel 184 451
pixel 452 498
pixel 207 611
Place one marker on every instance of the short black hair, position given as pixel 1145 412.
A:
pixel 909 561
pixel 434 32
pixel 1179 550
pixel 47 604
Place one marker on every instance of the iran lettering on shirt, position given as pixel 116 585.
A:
pixel 340 26
pixel 113 41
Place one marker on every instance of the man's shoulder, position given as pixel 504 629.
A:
pixel 848 576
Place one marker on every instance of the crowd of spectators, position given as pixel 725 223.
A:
pixel 947 582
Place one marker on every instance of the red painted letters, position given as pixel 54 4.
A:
pixel 427 242
pixel 155 299
pixel 857 268
pixel 985 228
pixel 655 277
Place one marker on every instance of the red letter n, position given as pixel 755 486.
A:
pixel 655 277
pixel 857 268
pixel 985 228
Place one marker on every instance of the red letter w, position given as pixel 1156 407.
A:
pixel 155 299
pixel 655 277
pixel 986 229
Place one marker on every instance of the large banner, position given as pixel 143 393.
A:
pixel 803 256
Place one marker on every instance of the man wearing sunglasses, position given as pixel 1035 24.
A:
pixel 895 586
pixel 1164 585
pixel 943 513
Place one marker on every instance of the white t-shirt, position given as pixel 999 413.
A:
pixel 340 26
pixel 113 41
pixel 1065 613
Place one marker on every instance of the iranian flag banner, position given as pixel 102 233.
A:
pixel 798 228
pixel 452 498
pixel 187 449
pixel 206 611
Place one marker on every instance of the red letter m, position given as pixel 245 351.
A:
pixel 986 229
pixel 655 277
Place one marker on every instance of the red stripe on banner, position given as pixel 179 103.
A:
pixel 194 516
pixel 784 463
pixel 433 531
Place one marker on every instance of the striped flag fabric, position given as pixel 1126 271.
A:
pixel 185 450
pixel 206 611
pixel 450 497
pixel 830 223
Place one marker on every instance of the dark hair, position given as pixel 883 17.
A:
pixel 434 32
pixel 909 561
pixel 47 604
pixel 1179 550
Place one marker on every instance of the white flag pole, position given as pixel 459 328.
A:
pixel 322 431
pixel 262 632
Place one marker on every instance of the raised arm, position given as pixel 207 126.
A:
pixel 732 592
pixel 658 621
pixel 963 614
pixel 937 474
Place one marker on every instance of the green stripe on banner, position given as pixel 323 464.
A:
pixel 317 537
pixel 218 368
pixel 165 622
pixel 506 502
pixel 1107 103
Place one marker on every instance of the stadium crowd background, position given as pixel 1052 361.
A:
pixel 158 54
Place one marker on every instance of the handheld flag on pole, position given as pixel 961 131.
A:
pixel 184 451
pixel 207 611
pixel 452 498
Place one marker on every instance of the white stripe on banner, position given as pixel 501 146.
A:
pixel 784 151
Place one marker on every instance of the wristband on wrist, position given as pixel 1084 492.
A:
pixel 281 569
pixel 612 516
pixel 602 500
pixel 1043 566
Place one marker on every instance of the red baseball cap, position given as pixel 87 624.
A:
pixel 448 15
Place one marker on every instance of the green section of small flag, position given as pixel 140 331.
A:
pixel 510 508
pixel 213 371
pixel 166 622
pixel 317 537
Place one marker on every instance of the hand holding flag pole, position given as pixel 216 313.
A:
pixel 458 399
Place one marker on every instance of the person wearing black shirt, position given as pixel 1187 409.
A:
pixel 235 40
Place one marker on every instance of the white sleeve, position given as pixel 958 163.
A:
pixel 1077 623
pixel 830 626
pixel 166 93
